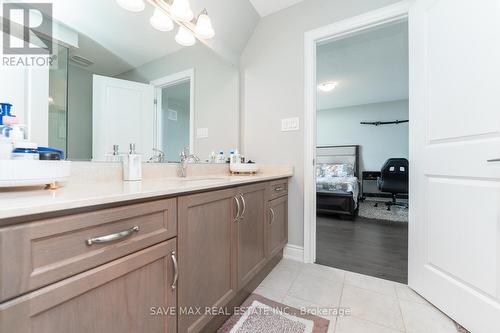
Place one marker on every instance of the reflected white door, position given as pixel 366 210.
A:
pixel 455 129
pixel 122 113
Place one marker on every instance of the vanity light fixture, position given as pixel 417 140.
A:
pixel 168 12
pixel 327 86
pixel 132 5
pixel 204 27
pixel 161 21
pixel 181 10
pixel 185 37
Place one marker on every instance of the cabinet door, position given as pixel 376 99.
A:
pixel 251 232
pixel 277 228
pixel 207 255
pixel 121 296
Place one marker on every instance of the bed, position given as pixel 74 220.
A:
pixel 337 180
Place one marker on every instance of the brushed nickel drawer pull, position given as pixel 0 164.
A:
pixel 279 189
pixel 273 215
pixel 238 207
pixel 113 237
pixel 244 206
pixel 494 160
pixel 176 270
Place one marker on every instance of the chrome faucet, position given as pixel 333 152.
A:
pixel 158 157
pixel 185 159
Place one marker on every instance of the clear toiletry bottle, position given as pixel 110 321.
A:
pixel 221 158
pixel 132 165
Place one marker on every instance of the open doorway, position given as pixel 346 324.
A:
pixel 362 151
pixel 174 114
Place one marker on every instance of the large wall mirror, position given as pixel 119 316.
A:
pixel 116 81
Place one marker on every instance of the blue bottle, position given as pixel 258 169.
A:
pixel 4 111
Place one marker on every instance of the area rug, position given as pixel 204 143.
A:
pixel 368 210
pixel 261 315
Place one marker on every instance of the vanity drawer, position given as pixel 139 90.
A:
pixel 278 188
pixel 36 254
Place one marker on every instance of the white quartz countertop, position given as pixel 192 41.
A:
pixel 15 203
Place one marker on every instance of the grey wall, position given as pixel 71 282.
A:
pixel 342 126
pixel 272 69
pixel 79 113
pixel 216 100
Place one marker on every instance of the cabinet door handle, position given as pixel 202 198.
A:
pixel 238 207
pixel 176 270
pixel 113 237
pixel 272 215
pixel 244 206
pixel 494 160
pixel 279 189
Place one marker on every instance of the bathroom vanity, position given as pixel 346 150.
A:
pixel 150 263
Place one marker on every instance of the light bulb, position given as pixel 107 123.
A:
pixel 327 86
pixel 204 27
pixel 132 5
pixel 185 37
pixel 181 11
pixel 161 21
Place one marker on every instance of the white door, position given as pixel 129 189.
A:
pixel 122 113
pixel 455 128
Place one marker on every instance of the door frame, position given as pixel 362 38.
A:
pixel 340 29
pixel 167 81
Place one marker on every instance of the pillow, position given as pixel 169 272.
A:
pixel 319 170
pixel 338 170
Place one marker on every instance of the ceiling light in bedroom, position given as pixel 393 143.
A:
pixel 161 21
pixel 327 86
pixel 132 5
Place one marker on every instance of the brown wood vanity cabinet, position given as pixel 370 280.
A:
pixel 225 239
pixel 129 294
pixel 110 270
pixel 146 267
pixel 207 237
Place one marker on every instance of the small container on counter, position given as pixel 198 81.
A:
pixel 24 150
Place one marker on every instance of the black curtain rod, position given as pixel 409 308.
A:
pixel 378 123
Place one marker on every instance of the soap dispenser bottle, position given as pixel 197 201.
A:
pixel 132 165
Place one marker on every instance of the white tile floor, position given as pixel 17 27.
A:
pixel 376 306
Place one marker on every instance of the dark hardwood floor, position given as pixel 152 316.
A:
pixel 363 246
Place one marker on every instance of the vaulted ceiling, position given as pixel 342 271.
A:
pixel 130 36
pixel 267 7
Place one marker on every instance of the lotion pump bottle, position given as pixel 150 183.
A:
pixel 132 165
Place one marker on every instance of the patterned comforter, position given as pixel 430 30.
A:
pixel 338 184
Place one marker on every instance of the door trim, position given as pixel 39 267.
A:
pixel 168 81
pixel 392 13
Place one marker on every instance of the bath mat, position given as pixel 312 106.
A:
pixel 261 315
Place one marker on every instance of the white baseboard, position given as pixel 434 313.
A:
pixel 293 252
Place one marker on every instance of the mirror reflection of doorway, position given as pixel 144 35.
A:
pixel 174 119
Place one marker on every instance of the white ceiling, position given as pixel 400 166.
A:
pixel 130 36
pixel 370 67
pixel 266 7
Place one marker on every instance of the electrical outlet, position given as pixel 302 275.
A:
pixel 290 124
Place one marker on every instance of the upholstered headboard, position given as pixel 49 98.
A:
pixel 339 154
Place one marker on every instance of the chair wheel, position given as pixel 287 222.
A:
pixel 376 205
pixel 388 208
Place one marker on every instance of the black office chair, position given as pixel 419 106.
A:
pixel 394 179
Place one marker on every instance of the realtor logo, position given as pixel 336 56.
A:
pixel 27 28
